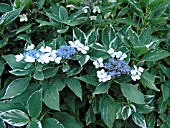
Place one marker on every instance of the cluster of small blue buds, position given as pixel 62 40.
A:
pixel 116 67
pixel 65 52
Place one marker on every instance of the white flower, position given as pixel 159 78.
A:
pixel 72 7
pixel 45 58
pixel 98 63
pixel 107 15
pixel 102 75
pixel 58 59
pixel 79 46
pixel 96 9
pixel 45 49
pixel 120 55
pixel 112 52
pixel 85 9
pixel 93 17
pixel 30 47
pixel 53 55
pixel 19 57
pixel 23 17
pixel 136 73
pixel 29 59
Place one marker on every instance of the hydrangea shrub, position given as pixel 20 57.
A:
pixel 84 63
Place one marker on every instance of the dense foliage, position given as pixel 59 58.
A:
pixel 85 63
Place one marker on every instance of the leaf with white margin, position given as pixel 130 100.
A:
pixel 15 117
pixel 34 124
pixel 16 87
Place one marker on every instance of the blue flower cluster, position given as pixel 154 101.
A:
pixel 116 67
pixel 46 54
pixel 65 52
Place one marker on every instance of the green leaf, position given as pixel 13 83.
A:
pixel 101 88
pixel 148 80
pixel 2 64
pixel 127 21
pixel 11 60
pixel 132 93
pixel 15 117
pixel 34 104
pixel 26 3
pixel 2 124
pixel 67 120
pixel 23 97
pixel 38 75
pixel 145 36
pixel 151 120
pixel 145 109
pixel 83 59
pixel 59 81
pixel 79 35
pixel 136 6
pixel 3 42
pixel 40 3
pixel 51 97
pixel 156 55
pixel 45 23
pixel 60 41
pixel 5 7
pixel 108 109
pixel 51 123
pixel 134 38
pixel 162 105
pixel 54 17
pixel 108 36
pixel 165 70
pixel 90 79
pixel 13 15
pixel 23 28
pixel 63 29
pixel 20 72
pixel 63 14
pixel 34 124
pixel 165 92
pixel 16 87
pixel 9 105
pixel 139 120
pixel 126 112
pixel 75 86
pixel 17 3
pixel 91 37
pixel 50 71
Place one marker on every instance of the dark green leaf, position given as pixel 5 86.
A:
pixel 75 86
pixel 67 120
pixel 20 72
pixel 165 91
pixel 156 55
pixel 101 88
pixel 132 93
pixel 50 71
pixel 108 36
pixel 12 15
pixel 2 124
pixel 40 3
pixel 24 28
pixel 83 59
pixel 11 60
pixel 16 87
pixel 90 79
pixel 51 97
pixel 5 7
pixel 3 42
pixel 51 123
pixel 34 104
pixel 145 36
pixel 15 117
pixel 79 35
pixel 148 80
pixel 91 37
pixel 38 75
pixel 34 124
pixel 59 81
pixel 108 109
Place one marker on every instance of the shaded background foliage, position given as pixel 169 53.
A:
pixel 75 98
